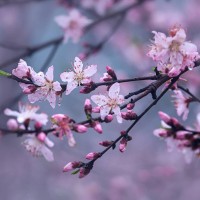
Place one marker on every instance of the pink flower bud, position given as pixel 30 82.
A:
pixel 174 72
pixel 106 77
pixel 182 135
pixel 79 128
pixel 97 127
pixel 105 143
pixel 130 106
pixel 111 72
pixel 96 109
pixel 176 123
pixel 71 166
pixel 92 156
pixel 122 145
pixel 41 136
pixel 108 118
pixel 85 44
pixel 129 138
pixel 82 56
pixel 38 126
pixel 84 172
pixel 88 107
pixel 88 125
pixel 12 124
pixel 30 89
pixel 123 132
pixel 85 90
pixel 89 84
pixel 129 115
pixel 166 118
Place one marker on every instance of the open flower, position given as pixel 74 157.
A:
pixel 27 112
pixel 39 147
pixel 73 25
pixel 48 88
pixel 78 76
pixel 110 102
pixel 181 104
pixel 61 123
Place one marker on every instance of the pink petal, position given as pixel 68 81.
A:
pixel 51 98
pixel 56 86
pixel 90 70
pixel 49 73
pixel 114 91
pixel 9 112
pixel 78 65
pixel 70 86
pixel 62 21
pixel 104 111
pixel 48 142
pixel 37 95
pixel 100 100
pixel 47 153
pixel 86 80
pixel 120 99
pixel 117 112
pixel 67 76
pixel 38 79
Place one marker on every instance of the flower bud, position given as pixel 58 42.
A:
pixel 105 143
pixel 123 132
pixel 106 77
pixel 79 128
pixel 30 89
pixel 182 135
pixel 71 166
pixel 130 106
pixel 129 115
pixel 92 156
pixel 38 126
pixel 82 56
pixel 85 90
pixel 122 145
pixel 108 118
pixel 88 107
pixel 166 118
pixel 84 172
pixel 41 136
pixel 176 123
pixel 12 124
pixel 96 109
pixel 129 138
pixel 111 72
pixel 97 127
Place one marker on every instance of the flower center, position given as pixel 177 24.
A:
pixel 79 77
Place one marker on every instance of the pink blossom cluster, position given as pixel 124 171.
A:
pixel 173 53
pixel 177 136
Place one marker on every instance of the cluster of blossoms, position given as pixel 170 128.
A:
pixel 173 53
pixel 177 136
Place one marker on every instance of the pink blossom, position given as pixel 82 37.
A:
pixel 100 6
pixel 78 76
pixel 122 145
pixel 96 109
pixel 92 156
pixel 130 106
pixel 108 118
pixel 110 102
pixel 181 104
pixel 39 148
pixel 105 143
pixel 27 112
pixel 73 25
pixel 166 118
pixel 71 166
pixel 106 77
pixel 174 49
pixel 12 124
pixel 48 88
pixel 83 172
pixel 88 106
pixel 96 125
pixel 79 128
pixel 62 125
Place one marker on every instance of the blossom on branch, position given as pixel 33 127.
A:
pixel 110 103
pixel 27 112
pixel 39 146
pixel 78 76
pixel 73 25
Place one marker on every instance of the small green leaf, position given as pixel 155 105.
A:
pixel 88 117
pixel 153 69
pixel 75 172
pixel 164 128
pixel 4 73
pixel 54 121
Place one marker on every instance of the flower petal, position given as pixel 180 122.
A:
pixel 114 91
pixel 117 112
pixel 100 100
pixel 56 86
pixel 104 111
pixel 70 86
pixel 78 65
pixel 120 99
pixel 51 98
pixel 47 153
pixel 67 76
pixel 49 73
pixel 90 70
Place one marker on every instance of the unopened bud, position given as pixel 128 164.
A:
pixel 129 138
pixel 85 90
pixel 97 127
pixel 79 128
pixel 82 56
pixel 111 72
pixel 106 77
pixel 129 115
pixel 30 89
pixel 105 143
pixel 88 107
pixel 130 106
pixel 38 126
pixel 123 133
pixel 92 156
pixel 71 166
pixel 84 172
pixel 108 118
pixel 41 136
pixel 96 109
pixel 176 123
pixel 12 124
pixel 166 118
pixel 122 145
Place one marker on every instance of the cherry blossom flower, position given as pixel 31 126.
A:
pixel 73 25
pixel 27 112
pixel 48 88
pixel 181 104
pixel 62 125
pixel 100 6
pixel 173 49
pixel 12 124
pixel 39 148
pixel 78 76
pixel 110 102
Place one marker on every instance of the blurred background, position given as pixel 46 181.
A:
pixel 145 171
